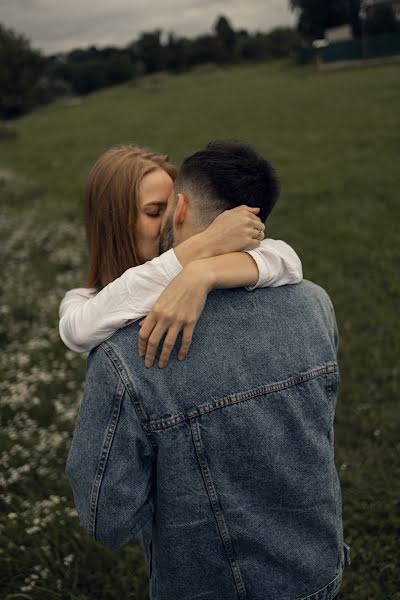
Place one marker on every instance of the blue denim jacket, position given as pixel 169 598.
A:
pixel 222 464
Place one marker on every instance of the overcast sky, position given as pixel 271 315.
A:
pixel 57 25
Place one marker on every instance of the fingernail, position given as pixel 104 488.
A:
pixel 161 365
pixel 148 363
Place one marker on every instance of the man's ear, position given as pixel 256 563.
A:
pixel 181 210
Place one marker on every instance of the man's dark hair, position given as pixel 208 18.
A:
pixel 226 174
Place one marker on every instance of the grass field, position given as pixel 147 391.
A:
pixel 334 138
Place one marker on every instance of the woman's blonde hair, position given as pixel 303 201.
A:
pixel 112 207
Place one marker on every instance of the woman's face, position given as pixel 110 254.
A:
pixel 155 194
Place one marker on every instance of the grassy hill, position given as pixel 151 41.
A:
pixel 334 138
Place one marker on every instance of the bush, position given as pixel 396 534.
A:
pixel 20 70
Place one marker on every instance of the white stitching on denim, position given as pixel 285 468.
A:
pixel 104 454
pixel 238 397
pixel 119 367
pixel 216 508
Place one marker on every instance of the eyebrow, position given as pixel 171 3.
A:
pixel 156 203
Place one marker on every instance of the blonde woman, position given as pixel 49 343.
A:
pixel 128 192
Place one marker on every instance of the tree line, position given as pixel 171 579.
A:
pixel 28 79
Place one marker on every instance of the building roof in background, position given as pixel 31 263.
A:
pixel 339 34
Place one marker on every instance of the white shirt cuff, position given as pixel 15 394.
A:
pixel 263 273
pixel 170 263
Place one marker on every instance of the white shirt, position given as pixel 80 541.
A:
pixel 88 318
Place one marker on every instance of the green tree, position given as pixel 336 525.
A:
pixel 21 68
pixel 149 51
pixel 227 37
pixel 206 49
pixel 119 69
pixel 178 55
pixel 88 77
pixel 252 47
pixel 282 42
pixel 381 19
pixel 315 16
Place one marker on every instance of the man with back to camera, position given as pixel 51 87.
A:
pixel 222 464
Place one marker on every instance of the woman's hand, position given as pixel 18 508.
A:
pixel 235 230
pixel 178 307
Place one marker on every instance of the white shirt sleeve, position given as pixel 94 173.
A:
pixel 86 319
pixel 278 264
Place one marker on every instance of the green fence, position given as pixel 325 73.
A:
pixel 375 46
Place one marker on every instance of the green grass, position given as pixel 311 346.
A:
pixel 334 138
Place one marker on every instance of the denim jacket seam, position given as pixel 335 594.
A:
pixel 235 398
pixel 104 455
pixel 217 511
pixel 311 596
pixel 119 367
pixel 329 390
